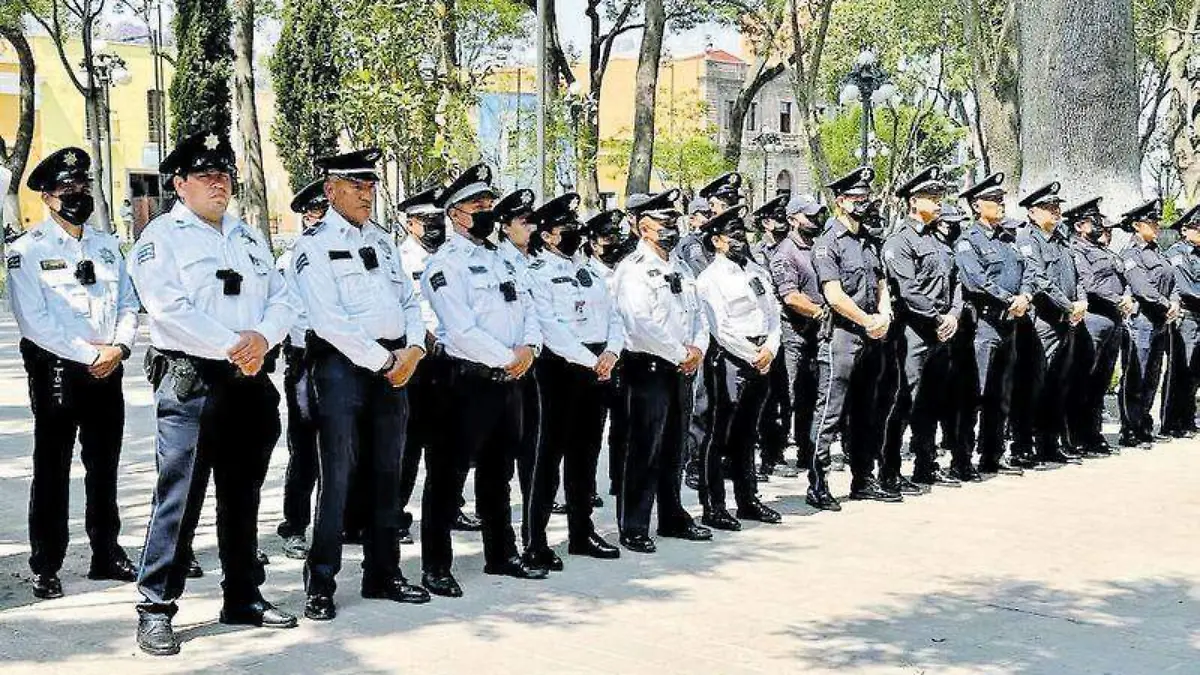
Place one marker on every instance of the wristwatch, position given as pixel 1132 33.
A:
pixel 387 367
pixel 125 352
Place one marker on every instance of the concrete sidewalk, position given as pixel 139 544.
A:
pixel 1084 569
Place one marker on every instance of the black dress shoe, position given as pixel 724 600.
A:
pixel 516 568
pixel 1100 449
pixel 1056 456
pixel 441 583
pixel 870 491
pixel 593 546
pixel 155 636
pixel 638 543
pixel 466 523
pixel 259 613
pixel 760 512
pixel 1024 462
pixel 935 476
pixel 1177 433
pixel 404 537
pixel 113 569
pixel 320 607
pixel 395 588
pixel 689 531
pixel 1000 467
pixel 965 474
pixel 822 501
pixel 544 558
pixel 194 570
pixel 295 547
pixel 558 509
pixel 720 519
pixel 597 502
pixel 260 556
pixel 901 485
pixel 47 586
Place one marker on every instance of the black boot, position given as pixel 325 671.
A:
pixel 155 636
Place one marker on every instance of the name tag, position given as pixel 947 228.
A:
pixel 54 264
pixel 340 255
pixel 757 285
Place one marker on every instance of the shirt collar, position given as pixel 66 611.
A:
pixel 183 215
pixel 799 241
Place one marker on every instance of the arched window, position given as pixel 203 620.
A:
pixel 783 182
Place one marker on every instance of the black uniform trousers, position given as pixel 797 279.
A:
pixel 775 423
pixel 426 425
pixel 1053 382
pixel 1097 346
pixel 573 425
pixel 995 363
pixel 227 425
pixel 849 365
pixel 1145 348
pixel 924 377
pixel 485 421
pixel 67 402
pixel 1028 359
pixel 736 395
pixel 362 420
pixel 657 396
pixel 533 436
pixel 956 414
pixel 1183 373
pixel 800 365
pixel 301 475
pixel 618 427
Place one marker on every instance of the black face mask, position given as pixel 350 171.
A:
pixel 76 208
pixel 739 252
pixel 859 210
pixel 483 224
pixel 569 242
pixel 433 237
pixel 1095 235
pixel 779 230
pixel 668 238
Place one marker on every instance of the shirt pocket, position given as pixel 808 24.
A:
pixel 66 290
pixel 353 285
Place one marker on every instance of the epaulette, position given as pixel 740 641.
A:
pixel 12 235
pixel 314 229
pixel 385 227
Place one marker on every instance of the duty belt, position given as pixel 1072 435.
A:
pixel 319 347
pixel 650 362
pixel 479 370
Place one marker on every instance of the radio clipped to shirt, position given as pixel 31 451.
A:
pixel 232 281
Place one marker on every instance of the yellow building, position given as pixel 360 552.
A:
pixel 59 121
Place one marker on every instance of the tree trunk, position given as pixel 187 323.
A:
pixel 995 88
pixel 1186 143
pixel 758 77
pixel 804 85
pixel 641 159
pixel 16 157
pixel 254 200
pixel 1079 99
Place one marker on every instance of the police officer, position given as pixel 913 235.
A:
pixel 956 415
pixel 803 309
pixel 491 335
pixel 77 313
pixel 665 339
pixel 1060 302
pixel 425 223
pixel 1152 282
pixel 991 271
pixel 301 474
pixel 850 355
pixel 1185 360
pixel 216 305
pixel 692 252
pixel 583 337
pixel 771 221
pixel 743 320
pixel 1098 338
pixel 366 341
pixel 606 246
pixel 691 249
pixel 928 306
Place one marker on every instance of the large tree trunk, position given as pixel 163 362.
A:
pixel 641 159
pixel 995 87
pixel 1079 98
pixel 1185 125
pixel 15 158
pixel 804 85
pixel 254 200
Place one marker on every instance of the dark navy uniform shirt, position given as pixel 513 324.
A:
pixel 1151 278
pixel 791 266
pixel 1050 272
pixel 1101 272
pixel 851 258
pixel 1185 260
pixel 921 272
pixel 989 266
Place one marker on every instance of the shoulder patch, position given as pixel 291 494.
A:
pixel 13 262
pixel 107 256
pixel 301 262
pixel 437 280
pixel 145 253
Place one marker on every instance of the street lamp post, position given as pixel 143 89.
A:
pixel 109 70
pixel 869 84
pixel 766 141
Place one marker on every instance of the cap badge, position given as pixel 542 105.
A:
pixel 211 142
pixel 70 159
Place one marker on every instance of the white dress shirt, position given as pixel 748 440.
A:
pixel 659 320
pixel 56 312
pixel 739 304
pixel 464 283
pixel 575 309
pixel 174 269
pixel 414 258
pixel 348 305
pixel 299 330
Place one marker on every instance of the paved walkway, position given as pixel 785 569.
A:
pixel 1085 569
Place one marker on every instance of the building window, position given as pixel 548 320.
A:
pixel 785 117
pixel 154 108
pixel 752 117
pixel 730 106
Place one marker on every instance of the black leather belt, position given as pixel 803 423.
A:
pixel 648 362
pixel 479 370
pixel 318 346
pixel 758 340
